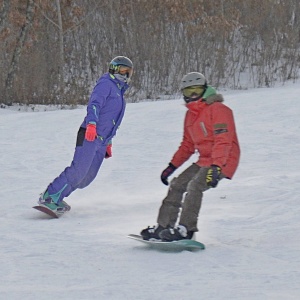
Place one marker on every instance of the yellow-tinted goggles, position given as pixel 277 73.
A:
pixel 193 91
pixel 124 70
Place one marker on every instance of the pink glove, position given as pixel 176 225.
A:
pixel 108 153
pixel 90 133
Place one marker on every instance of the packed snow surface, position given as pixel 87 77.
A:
pixel 250 225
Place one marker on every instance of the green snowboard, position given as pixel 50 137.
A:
pixel 181 245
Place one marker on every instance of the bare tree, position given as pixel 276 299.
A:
pixel 235 43
pixel 18 49
pixel 61 48
pixel 3 14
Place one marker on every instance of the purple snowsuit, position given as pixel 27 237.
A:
pixel 106 109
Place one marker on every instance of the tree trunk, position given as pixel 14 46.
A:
pixel 61 48
pixel 17 52
pixel 3 14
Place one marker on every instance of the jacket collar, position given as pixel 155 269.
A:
pixel 210 96
pixel 121 85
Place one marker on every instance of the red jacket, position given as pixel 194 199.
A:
pixel 209 129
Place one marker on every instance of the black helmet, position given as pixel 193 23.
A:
pixel 122 68
pixel 120 60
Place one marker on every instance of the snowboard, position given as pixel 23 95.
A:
pixel 48 211
pixel 181 245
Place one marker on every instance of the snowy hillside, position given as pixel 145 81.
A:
pixel 250 225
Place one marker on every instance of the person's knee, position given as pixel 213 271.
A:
pixel 196 185
pixel 176 185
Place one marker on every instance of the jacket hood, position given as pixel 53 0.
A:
pixel 210 96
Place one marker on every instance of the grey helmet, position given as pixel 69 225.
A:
pixel 191 79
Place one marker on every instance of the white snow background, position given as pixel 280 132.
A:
pixel 250 225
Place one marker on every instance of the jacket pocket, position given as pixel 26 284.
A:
pixel 80 137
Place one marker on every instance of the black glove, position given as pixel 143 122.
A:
pixel 213 176
pixel 166 173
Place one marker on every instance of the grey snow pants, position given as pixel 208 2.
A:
pixel 192 181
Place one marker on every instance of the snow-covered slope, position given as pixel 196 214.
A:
pixel 250 225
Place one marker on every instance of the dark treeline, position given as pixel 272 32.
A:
pixel 53 51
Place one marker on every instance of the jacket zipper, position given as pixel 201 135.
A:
pixel 203 128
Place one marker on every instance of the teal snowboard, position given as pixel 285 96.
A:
pixel 181 245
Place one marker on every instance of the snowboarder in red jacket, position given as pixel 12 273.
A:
pixel 209 129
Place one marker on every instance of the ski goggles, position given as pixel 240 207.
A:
pixel 195 90
pixel 124 70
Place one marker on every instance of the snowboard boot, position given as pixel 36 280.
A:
pixel 46 201
pixel 176 234
pixel 152 233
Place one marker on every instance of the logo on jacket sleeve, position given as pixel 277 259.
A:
pixel 220 128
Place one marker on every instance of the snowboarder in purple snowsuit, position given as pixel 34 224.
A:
pixel 105 112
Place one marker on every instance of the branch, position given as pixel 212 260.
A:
pixel 73 27
pixel 47 18
pixel 82 20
